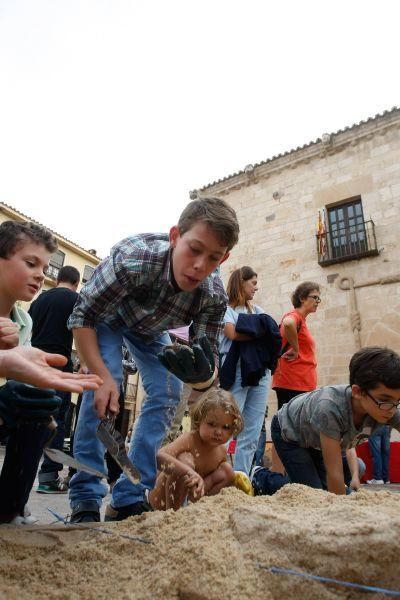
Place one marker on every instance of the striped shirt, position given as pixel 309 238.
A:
pixel 133 288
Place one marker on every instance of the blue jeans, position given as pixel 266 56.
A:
pixel 266 482
pixel 262 440
pixel 303 465
pixel 379 445
pixel 162 397
pixel 252 402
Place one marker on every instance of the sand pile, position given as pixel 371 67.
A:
pixel 210 550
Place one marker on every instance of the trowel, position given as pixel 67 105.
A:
pixel 65 459
pixel 115 444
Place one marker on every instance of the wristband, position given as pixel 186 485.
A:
pixel 203 386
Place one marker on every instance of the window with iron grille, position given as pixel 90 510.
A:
pixel 56 262
pixel 346 235
pixel 87 273
pixel 347 228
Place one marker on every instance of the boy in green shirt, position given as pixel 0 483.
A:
pixel 25 251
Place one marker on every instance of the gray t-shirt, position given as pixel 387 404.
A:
pixel 326 410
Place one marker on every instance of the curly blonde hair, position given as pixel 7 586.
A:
pixel 217 398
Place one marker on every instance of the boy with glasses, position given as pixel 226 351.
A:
pixel 312 430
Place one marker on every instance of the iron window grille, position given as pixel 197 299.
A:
pixel 56 262
pixel 346 236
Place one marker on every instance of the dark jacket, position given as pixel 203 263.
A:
pixel 256 355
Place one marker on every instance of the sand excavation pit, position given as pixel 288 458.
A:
pixel 210 550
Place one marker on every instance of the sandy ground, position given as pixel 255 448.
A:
pixel 213 550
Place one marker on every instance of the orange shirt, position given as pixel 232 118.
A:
pixel 301 373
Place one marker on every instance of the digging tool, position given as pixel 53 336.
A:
pixel 65 459
pixel 115 444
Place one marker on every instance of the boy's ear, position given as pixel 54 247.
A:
pixel 356 391
pixel 174 235
pixel 224 258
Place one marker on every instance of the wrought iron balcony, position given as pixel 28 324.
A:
pixel 347 243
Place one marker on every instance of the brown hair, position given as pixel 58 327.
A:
pixel 14 233
pixel 302 291
pixel 374 365
pixel 217 398
pixel 217 214
pixel 235 287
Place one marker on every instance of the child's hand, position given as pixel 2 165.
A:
pixel 195 485
pixel 355 484
pixel 9 334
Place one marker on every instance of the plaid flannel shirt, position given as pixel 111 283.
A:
pixel 133 288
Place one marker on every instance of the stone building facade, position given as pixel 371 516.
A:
pixel 346 186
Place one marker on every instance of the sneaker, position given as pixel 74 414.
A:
pixel 254 471
pixel 123 512
pixel 55 486
pixel 26 518
pixel 387 482
pixel 257 491
pixel 375 482
pixel 86 511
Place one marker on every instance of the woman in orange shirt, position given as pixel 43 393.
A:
pixel 297 368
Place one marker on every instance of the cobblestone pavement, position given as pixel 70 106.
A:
pixel 39 503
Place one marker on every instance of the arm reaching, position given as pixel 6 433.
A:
pixel 332 455
pixel 35 367
pixel 107 396
pixel 169 463
pixel 352 461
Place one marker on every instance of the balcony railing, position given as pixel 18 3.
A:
pixel 347 243
pixel 52 271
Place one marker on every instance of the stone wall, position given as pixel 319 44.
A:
pixel 277 203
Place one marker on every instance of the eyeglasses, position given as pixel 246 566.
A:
pixel 383 405
pixel 316 298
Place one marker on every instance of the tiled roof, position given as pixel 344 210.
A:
pixel 294 150
pixel 7 206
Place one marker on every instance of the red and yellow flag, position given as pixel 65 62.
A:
pixel 321 234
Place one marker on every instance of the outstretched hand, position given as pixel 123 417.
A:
pixel 193 365
pixel 36 367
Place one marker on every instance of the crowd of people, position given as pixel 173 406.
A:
pixel 149 284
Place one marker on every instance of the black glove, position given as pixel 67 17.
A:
pixel 193 365
pixel 20 402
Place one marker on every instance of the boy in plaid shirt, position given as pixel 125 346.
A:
pixel 150 283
